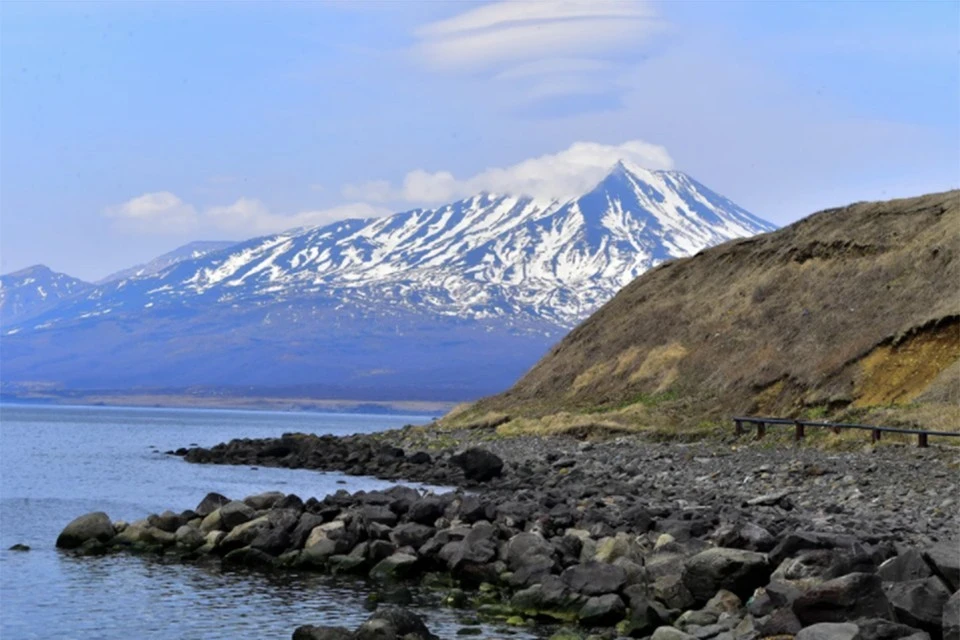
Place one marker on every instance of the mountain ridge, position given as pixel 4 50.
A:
pixel 500 273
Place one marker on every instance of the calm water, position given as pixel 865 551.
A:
pixel 60 462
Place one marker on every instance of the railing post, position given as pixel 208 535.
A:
pixel 921 440
pixel 799 430
pixel 836 430
pixel 739 425
pixel 875 435
pixel 761 430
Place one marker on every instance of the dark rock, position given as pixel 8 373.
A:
pixel 527 548
pixel 420 457
pixel 945 560
pixel 478 464
pixel 645 615
pixel 473 509
pixel 735 570
pixel 247 557
pixel 263 501
pixel 858 595
pixel 291 501
pixel 167 521
pixel 210 503
pixel 310 632
pixel 426 510
pixel 594 578
pixel 378 514
pixel 305 525
pixel 551 598
pixel 395 567
pixel 92 526
pixel 910 565
pixel 393 623
pixel 19 547
pixel 951 618
pixel 275 538
pixel 411 534
pixel 602 611
pixel 795 542
pixel 781 622
pixel 919 603
pixel 235 513
pixel 671 591
pixel 879 629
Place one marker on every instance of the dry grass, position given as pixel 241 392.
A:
pixel 849 308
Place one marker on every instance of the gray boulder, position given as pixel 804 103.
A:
pixel 829 631
pixel 857 595
pixel 393 623
pixel 945 558
pixel 92 526
pixel 602 611
pixel 235 513
pixel 394 567
pixel 411 534
pixel 735 570
pixel 478 464
pixel 919 603
pixel 879 629
pixel 210 503
pixel 263 501
pixel 594 578
pixel 951 618
pixel 671 633
pixel 910 565
pixel 310 632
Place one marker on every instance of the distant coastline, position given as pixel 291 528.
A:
pixel 249 403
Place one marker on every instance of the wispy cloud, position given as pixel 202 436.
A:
pixel 514 31
pixel 556 175
pixel 538 50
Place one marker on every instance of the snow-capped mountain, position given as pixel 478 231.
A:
pixel 473 275
pixel 29 292
pixel 190 251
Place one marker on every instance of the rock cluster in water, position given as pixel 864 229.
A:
pixel 621 538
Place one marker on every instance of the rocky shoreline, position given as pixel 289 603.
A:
pixel 615 538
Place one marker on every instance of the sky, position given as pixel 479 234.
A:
pixel 130 128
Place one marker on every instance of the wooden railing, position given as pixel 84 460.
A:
pixel 800 427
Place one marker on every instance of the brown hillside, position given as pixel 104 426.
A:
pixel 845 312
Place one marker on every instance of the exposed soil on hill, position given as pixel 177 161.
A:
pixel 851 312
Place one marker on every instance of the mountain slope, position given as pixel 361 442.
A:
pixel 190 251
pixel 849 310
pixel 30 292
pixel 467 294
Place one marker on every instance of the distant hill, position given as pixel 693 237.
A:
pixel 190 251
pixel 27 293
pixel 851 311
pixel 440 304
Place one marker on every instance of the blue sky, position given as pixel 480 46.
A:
pixel 129 128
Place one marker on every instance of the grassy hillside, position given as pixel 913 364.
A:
pixel 851 312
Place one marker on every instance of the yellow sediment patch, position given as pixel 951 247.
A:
pixel 660 365
pixel 591 375
pixel 899 374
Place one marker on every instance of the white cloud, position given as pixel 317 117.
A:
pixel 156 212
pixel 164 212
pixel 557 175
